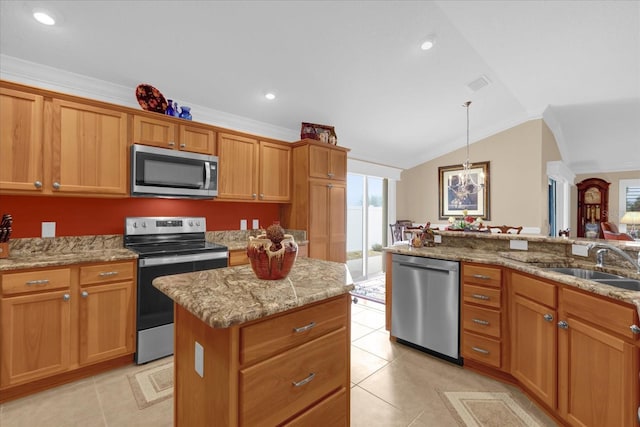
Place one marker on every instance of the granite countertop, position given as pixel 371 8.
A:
pixel 534 263
pixel 233 295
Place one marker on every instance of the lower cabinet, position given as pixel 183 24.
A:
pixel 288 369
pixel 56 320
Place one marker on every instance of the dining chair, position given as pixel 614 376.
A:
pixel 505 229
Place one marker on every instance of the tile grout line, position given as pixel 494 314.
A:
pixel 95 387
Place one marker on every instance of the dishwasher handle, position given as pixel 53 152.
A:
pixel 426 267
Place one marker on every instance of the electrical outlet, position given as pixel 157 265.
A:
pixel 580 250
pixel 243 224
pixel 199 360
pixel 256 224
pixel 48 229
pixel 521 245
pixel 437 238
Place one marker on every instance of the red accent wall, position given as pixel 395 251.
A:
pixel 80 216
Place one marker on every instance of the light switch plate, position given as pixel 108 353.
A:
pixel 521 245
pixel 256 224
pixel 580 250
pixel 243 224
pixel 199 360
pixel 48 229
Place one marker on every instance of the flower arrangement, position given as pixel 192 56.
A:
pixel 467 222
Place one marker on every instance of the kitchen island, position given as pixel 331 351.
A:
pixel 252 352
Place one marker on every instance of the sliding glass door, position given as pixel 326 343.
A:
pixel 366 219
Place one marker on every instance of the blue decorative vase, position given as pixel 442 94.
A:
pixel 170 111
pixel 185 113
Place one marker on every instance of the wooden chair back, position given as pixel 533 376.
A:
pixel 504 228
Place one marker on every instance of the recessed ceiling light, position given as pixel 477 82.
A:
pixel 44 18
pixel 428 43
pixel 270 96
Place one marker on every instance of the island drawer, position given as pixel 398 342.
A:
pixel 278 388
pixel 482 275
pixel 534 289
pixel 481 320
pixel 489 297
pixel 270 337
pixel 331 412
pixel 481 349
pixel 107 272
pixel 36 281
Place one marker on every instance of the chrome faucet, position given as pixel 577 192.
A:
pixel 600 253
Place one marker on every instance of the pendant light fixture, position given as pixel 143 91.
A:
pixel 466 183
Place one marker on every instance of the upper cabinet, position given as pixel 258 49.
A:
pixel 327 162
pixel 21 167
pixel 253 170
pixel 85 151
pixel 164 133
pixel 89 149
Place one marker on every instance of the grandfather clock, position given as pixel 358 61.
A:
pixel 593 207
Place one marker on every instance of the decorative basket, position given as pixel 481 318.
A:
pixel 272 258
pixel 318 132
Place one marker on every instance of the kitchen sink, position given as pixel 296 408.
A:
pixel 583 273
pixel 600 277
pixel 629 284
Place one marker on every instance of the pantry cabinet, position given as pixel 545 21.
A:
pixel 21 163
pixel 318 202
pixel 164 132
pixel 58 320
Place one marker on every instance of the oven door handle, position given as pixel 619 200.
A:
pixel 176 259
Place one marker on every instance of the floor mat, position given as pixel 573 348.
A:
pixel 371 289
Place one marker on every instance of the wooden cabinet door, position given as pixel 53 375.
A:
pixel 318 220
pixel 534 348
pixel 337 222
pixel 155 132
pixel 237 167
pixel 89 153
pixel 275 172
pixel 35 336
pixel 597 376
pixel 319 160
pixel 197 139
pixel 106 321
pixel 21 159
pixel 338 165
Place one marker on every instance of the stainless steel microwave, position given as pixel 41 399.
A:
pixel 161 172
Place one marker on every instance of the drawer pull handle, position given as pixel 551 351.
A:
pixel 480 350
pixel 548 317
pixel 304 328
pixel 37 282
pixel 480 322
pixel 482 276
pixel 304 381
pixel 482 297
pixel 635 329
pixel 107 273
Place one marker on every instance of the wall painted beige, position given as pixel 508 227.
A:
pixel 518 182
pixel 614 194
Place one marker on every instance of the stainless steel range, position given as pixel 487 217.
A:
pixel 165 245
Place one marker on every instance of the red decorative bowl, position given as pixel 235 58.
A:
pixel 269 260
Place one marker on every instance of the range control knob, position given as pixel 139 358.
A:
pixel 197 223
pixel 190 223
pixel 144 224
pixel 135 224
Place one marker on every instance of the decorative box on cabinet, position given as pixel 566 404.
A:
pixel 57 321
pixel 483 332
pixel 318 203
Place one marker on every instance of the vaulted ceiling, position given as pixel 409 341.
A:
pixel 358 66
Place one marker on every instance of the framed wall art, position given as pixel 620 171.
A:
pixel 454 198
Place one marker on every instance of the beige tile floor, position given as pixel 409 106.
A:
pixel 392 385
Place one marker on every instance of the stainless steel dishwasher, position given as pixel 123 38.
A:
pixel 425 305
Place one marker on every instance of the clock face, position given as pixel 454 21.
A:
pixel 592 196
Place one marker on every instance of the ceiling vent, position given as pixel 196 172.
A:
pixel 478 83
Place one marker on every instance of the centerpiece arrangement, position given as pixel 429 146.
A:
pixel 272 254
pixel 466 223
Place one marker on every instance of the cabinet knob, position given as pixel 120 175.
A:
pixel 254 195
pixel 563 325
pixel 329 186
pixel 548 317
pixel 635 329
pixel 183 145
pixel 66 297
pixel 172 144
pixel 84 294
pixel 261 196
pixel 56 185
pixel 37 184
pixel 330 175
